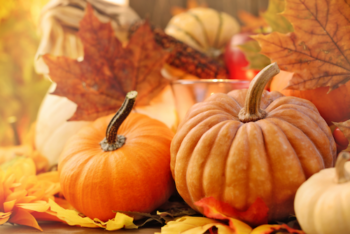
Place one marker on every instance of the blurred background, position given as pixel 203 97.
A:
pixel 22 89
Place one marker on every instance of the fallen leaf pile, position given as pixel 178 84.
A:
pixel 216 220
pixel 74 218
pixel 22 193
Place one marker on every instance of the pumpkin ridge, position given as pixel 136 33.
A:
pixel 250 173
pixel 287 172
pixel 230 109
pixel 307 126
pixel 224 138
pixel 309 159
pixel 212 107
pixel 239 125
pixel 202 27
pixel 80 177
pixel 295 101
pixel 269 163
pixel 218 32
pixel 311 114
pixel 198 20
pixel 196 167
pixel 200 117
pixel 247 187
pixel 195 134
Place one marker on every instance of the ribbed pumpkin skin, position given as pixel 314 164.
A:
pixel 135 177
pixel 214 154
pixel 203 29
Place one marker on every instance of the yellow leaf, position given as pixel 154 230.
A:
pixel 71 217
pixel 240 227
pixel 194 225
pixel 270 229
pixel 39 206
pixel 120 221
pixel 264 229
pixel 4 217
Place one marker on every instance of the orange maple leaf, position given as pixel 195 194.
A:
pixel 99 83
pixel 255 215
pixel 318 49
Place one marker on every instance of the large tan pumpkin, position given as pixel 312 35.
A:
pixel 230 149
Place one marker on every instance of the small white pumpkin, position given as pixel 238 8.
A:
pixel 322 203
pixel 52 129
pixel 204 29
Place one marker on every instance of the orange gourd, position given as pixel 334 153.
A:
pixel 127 172
pixel 333 106
pixel 250 144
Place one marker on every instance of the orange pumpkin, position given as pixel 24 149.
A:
pixel 230 149
pixel 125 172
pixel 333 106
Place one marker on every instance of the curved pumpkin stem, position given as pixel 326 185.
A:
pixel 112 140
pixel 343 175
pixel 251 110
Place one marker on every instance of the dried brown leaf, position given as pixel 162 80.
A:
pixel 99 83
pixel 318 50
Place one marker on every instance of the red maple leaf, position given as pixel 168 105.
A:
pixel 99 83
pixel 255 215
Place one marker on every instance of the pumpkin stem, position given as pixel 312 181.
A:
pixel 251 110
pixel 343 175
pixel 112 140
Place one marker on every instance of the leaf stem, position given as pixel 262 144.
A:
pixel 251 110
pixel 114 141
pixel 343 175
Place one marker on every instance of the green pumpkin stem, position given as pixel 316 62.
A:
pixel 114 141
pixel 251 110
pixel 343 175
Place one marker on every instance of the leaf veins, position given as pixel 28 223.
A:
pixel 99 83
pixel 318 50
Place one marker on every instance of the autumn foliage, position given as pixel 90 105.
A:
pixel 99 83
pixel 317 49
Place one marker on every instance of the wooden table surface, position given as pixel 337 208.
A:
pixel 59 228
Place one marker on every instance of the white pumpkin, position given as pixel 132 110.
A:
pixel 322 203
pixel 53 130
pixel 204 29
